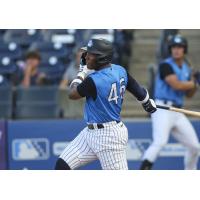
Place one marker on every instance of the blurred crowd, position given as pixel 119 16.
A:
pixel 32 57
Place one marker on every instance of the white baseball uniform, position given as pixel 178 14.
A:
pixel 166 122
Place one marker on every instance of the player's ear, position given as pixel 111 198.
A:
pixel 61 165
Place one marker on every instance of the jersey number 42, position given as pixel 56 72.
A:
pixel 113 96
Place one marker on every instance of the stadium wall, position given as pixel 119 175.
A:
pixel 37 144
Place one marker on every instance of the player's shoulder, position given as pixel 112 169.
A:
pixel 118 68
pixel 165 63
pixel 167 60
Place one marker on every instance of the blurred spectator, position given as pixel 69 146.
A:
pixel 162 50
pixel 71 71
pixel 32 76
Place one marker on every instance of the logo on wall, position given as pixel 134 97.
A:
pixel 30 149
pixel 58 147
pixel 137 147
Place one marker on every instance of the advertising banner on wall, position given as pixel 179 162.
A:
pixel 2 145
pixel 37 144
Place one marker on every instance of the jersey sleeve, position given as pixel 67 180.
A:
pixel 87 88
pixel 165 70
pixel 134 88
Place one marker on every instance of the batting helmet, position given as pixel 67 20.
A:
pixel 178 40
pixel 102 48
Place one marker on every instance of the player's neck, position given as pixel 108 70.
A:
pixel 179 62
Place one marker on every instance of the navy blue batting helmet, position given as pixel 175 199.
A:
pixel 103 49
pixel 178 40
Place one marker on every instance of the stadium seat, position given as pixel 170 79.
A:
pixel 50 49
pixel 7 66
pixel 53 73
pixel 23 37
pixel 5 102
pixel 52 58
pixel 37 102
pixel 11 50
pixel 64 36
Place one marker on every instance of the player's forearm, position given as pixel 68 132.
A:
pixel 73 93
pixel 135 89
pixel 184 86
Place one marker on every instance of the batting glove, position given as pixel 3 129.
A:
pixel 148 104
pixel 83 70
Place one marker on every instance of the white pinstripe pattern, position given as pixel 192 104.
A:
pixel 107 144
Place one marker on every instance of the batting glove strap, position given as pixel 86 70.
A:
pixel 149 106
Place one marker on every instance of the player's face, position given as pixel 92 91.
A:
pixel 178 52
pixel 91 61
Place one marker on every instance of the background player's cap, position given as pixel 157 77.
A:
pixel 178 40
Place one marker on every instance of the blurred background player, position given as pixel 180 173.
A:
pixel 105 137
pixel 174 81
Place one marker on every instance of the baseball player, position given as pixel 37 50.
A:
pixel 174 81
pixel 105 136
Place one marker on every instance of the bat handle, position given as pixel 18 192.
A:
pixel 163 107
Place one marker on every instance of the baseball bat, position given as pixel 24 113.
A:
pixel 180 110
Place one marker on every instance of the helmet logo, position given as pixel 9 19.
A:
pixel 90 43
pixel 177 40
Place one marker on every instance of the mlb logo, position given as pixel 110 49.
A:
pixel 136 148
pixel 30 149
